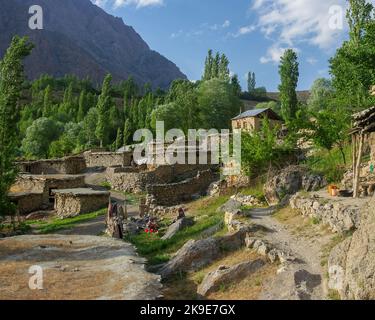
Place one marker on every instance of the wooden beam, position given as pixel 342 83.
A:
pixel 358 167
pixel 363 114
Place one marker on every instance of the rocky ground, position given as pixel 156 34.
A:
pixel 74 267
pixel 304 278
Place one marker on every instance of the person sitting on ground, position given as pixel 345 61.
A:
pixel 181 214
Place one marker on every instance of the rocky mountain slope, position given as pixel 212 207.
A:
pixel 80 38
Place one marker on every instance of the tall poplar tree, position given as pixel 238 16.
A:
pixel 103 106
pixel 11 80
pixel 289 74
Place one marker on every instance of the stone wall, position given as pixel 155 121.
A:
pixel 27 202
pixel 44 184
pixel 108 159
pixel 129 179
pixel 68 165
pixel 175 193
pixel 341 216
pixel 351 265
pixel 71 204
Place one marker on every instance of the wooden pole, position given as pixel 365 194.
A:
pixel 358 167
pixel 354 152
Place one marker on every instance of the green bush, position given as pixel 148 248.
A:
pixel 330 164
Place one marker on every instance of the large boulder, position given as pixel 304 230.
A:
pixel 291 180
pixel 227 275
pixel 196 254
pixel 351 264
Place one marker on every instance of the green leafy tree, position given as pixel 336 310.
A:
pixel 321 94
pixel 39 136
pixel 251 82
pixel 127 132
pixel 82 106
pixel 89 126
pixel 119 140
pixel 170 114
pixel 236 85
pixel 218 104
pixel 352 67
pixel 68 143
pixel 11 81
pixel 216 67
pixel 224 73
pixel 330 129
pixel 103 107
pixel 359 14
pixel 289 75
pixel 259 150
pixel 47 102
pixel 208 66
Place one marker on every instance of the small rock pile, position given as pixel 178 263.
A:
pixel 248 201
pixel 265 249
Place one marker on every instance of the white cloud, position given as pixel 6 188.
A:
pixel 274 53
pixel 311 60
pixel 178 34
pixel 243 31
pixel 298 20
pixel 289 23
pixel 204 28
pixel 137 3
pixel 226 24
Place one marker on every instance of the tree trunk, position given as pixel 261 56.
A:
pixel 358 167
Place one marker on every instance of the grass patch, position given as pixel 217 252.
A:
pixel 56 224
pixel 157 250
pixel 333 295
pixel 106 185
pixel 256 190
pixel 315 221
pixel 19 228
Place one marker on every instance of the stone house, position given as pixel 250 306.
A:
pixel 67 165
pixel 44 184
pixel 251 121
pixel 108 159
pixel 73 202
pixel 27 202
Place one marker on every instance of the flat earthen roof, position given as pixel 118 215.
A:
pixel 80 191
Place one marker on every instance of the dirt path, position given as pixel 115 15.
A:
pixel 302 280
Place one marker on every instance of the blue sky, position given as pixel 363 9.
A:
pixel 252 33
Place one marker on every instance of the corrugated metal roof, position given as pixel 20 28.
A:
pixel 250 113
